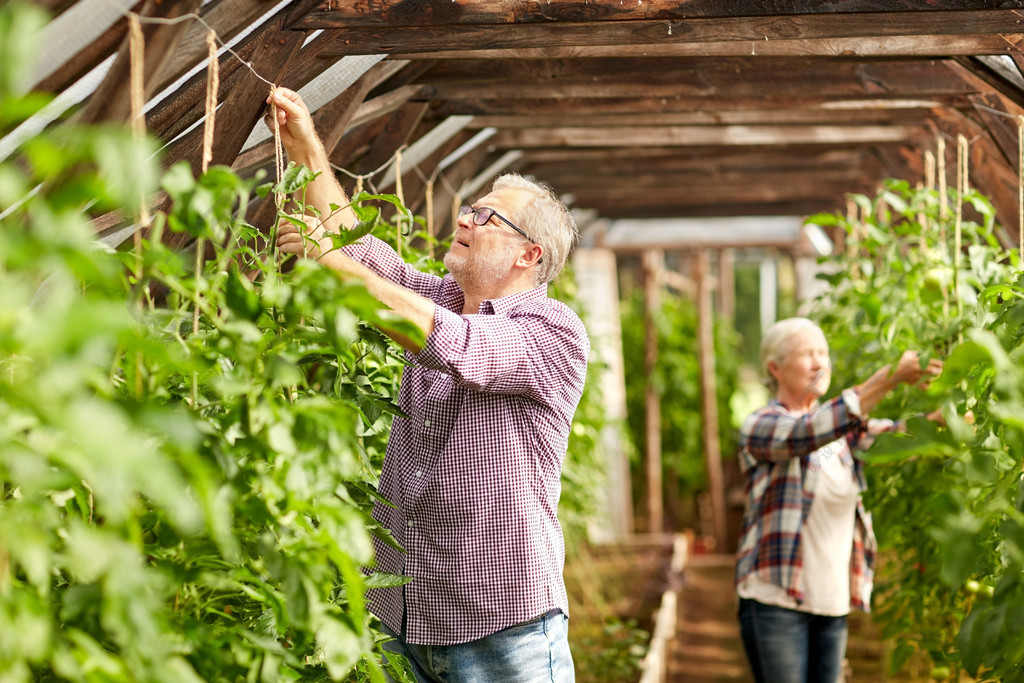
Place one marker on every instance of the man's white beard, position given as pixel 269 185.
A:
pixel 479 269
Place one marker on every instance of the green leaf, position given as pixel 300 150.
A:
pixel 294 179
pixel 899 658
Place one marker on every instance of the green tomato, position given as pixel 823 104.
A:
pixel 972 586
pixel 938 278
pixel 940 672
pixel 988 591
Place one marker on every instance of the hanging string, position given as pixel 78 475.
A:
pixel 430 216
pixel 212 86
pixel 279 197
pixel 136 76
pixel 1020 190
pixel 943 199
pixel 399 219
pixel 961 189
pixel 929 185
pixel 137 59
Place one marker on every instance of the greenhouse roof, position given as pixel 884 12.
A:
pixel 653 109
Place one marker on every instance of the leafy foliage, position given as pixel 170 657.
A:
pixel 676 379
pixel 948 502
pixel 187 457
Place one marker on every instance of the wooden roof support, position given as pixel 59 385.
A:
pixel 709 397
pixel 444 36
pixel 653 265
pixel 110 102
pixel 710 103
pixel 943 45
pixel 742 136
pixel 397 131
pixel 702 84
pixel 474 12
pixel 1001 127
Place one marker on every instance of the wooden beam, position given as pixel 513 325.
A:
pixel 88 58
pixel 382 105
pixel 111 100
pixel 697 181
pixel 751 78
pixel 709 397
pixel 596 163
pixel 653 265
pixel 855 46
pixel 442 36
pixel 628 196
pixel 244 106
pixel 656 209
pixel 701 135
pixel 867 116
pixel 397 132
pixel 397 13
pixel 996 114
pixel 692 103
pixel 227 18
pixel 727 286
pixel 994 80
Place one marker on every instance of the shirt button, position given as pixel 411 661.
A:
pixel 426 423
pixel 410 524
pixel 419 473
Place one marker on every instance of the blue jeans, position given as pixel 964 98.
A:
pixel 532 652
pixel 786 646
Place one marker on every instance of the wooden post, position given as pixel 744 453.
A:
pixel 727 285
pixel 595 272
pixel 653 261
pixel 709 396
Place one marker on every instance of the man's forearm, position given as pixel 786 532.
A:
pixel 404 302
pixel 325 190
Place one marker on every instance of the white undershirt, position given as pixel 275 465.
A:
pixel 827 541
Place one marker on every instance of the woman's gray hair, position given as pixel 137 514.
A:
pixel 775 343
pixel 546 219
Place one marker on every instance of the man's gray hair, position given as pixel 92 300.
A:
pixel 775 343
pixel 546 219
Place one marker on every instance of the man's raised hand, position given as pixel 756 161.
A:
pixel 294 119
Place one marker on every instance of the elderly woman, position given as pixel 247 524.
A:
pixel 806 550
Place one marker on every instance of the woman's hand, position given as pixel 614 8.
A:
pixel 909 370
pixel 311 242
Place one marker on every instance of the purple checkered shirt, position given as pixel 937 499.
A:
pixel 474 470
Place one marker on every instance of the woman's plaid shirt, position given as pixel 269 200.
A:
pixel 780 456
pixel 474 467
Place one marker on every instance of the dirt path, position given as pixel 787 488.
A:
pixel 707 647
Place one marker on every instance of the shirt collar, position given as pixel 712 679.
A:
pixel 504 304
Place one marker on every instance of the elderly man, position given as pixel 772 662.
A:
pixel 474 469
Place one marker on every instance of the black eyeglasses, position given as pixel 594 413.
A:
pixel 484 213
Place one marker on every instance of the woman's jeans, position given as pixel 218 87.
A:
pixel 786 646
pixel 533 652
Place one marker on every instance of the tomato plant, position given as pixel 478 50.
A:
pixel 676 379
pixel 947 501
pixel 187 457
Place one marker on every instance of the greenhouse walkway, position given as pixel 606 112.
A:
pixel 707 647
pixel 701 638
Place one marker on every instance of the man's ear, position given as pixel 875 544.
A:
pixel 773 369
pixel 531 256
